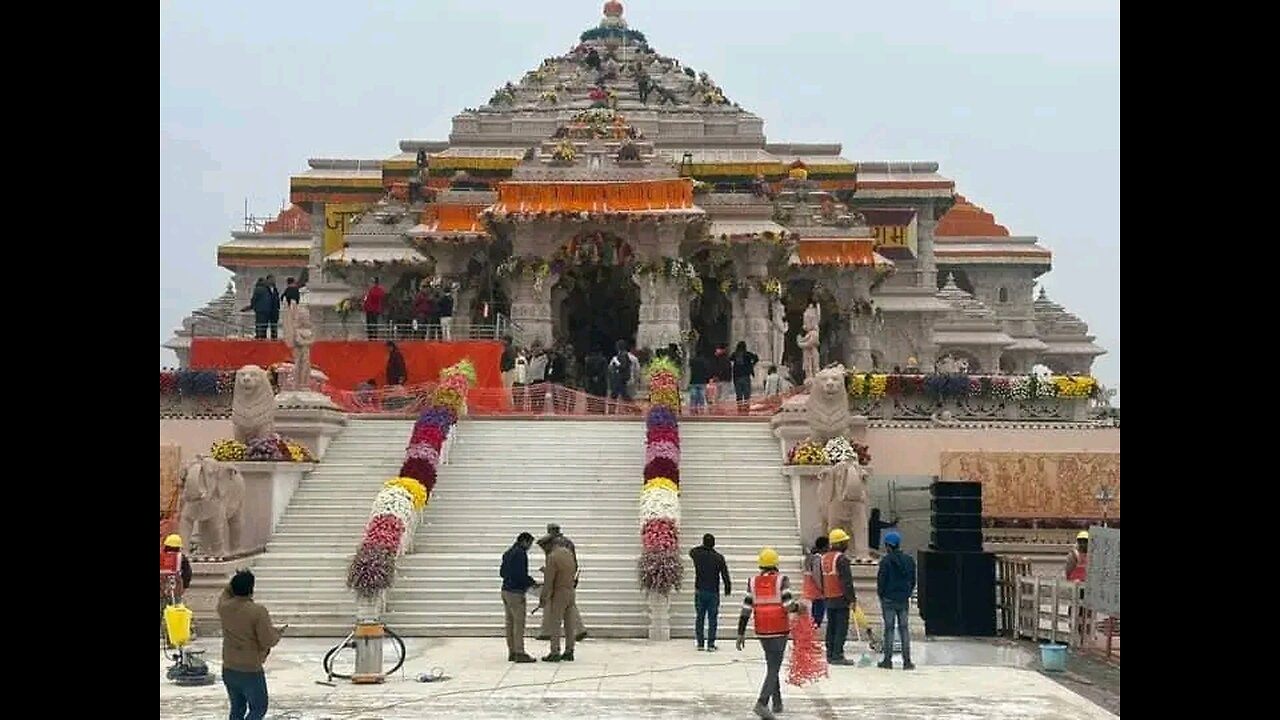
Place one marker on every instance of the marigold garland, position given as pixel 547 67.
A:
pixel 808 655
pixel 873 386
pixel 401 500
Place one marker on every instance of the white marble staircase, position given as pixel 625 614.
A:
pixel 509 476
pixel 302 576
pixel 732 486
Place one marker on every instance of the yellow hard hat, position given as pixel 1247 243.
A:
pixel 768 558
pixel 173 541
pixel 838 536
pixel 1082 535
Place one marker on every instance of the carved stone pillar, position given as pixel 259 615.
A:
pixel 860 352
pixel 531 308
pixel 926 267
pixel 660 304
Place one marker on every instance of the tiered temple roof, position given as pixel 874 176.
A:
pixel 972 322
pixel 1063 332
pixel 969 235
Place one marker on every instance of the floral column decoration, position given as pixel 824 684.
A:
pixel 660 566
pixel 397 508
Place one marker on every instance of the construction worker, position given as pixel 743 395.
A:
pixel 837 592
pixel 895 581
pixel 769 601
pixel 175 574
pixel 1078 558
pixel 813 580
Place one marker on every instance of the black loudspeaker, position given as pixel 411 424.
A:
pixel 955 516
pixel 957 593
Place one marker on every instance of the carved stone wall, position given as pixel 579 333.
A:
pixel 1038 484
pixel 661 307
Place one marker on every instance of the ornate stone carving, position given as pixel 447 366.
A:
pixel 212 504
pixel 531 311
pixel 1038 485
pixel 842 492
pixel 827 406
pixel 299 335
pixel 253 404
pixel 809 342
pixel 778 328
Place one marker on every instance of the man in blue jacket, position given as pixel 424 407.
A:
pixel 515 583
pixel 894 584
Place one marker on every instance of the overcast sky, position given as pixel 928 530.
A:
pixel 1019 100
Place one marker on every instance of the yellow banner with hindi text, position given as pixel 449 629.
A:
pixel 336 218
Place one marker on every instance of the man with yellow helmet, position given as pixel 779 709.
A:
pixel 175 572
pixel 770 602
pixel 1078 558
pixel 837 592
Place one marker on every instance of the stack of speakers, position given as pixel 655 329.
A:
pixel 957 584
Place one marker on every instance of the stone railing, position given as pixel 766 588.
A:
pixel 944 398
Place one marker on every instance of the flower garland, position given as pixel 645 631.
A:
pixel 397 508
pixel 268 448
pixel 873 386
pixel 660 568
pixel 835 450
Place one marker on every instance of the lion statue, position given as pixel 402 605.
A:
pixel 212 503
pixel 827 408
pixel 843 496
pixel 253 404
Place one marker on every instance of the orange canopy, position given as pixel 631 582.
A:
pixel 639 196
pixel 847 252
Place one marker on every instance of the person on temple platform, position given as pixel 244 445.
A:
pixel 397 372
pixel 373 305
pixel 260 304
pixel 699 376
pixel 423 309
pixel 1078 558
pixel 273 321
pixel 444 308
pixel 292 294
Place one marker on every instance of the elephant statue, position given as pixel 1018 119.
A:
pixel 213 505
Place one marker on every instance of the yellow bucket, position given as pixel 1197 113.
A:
pixel 177 622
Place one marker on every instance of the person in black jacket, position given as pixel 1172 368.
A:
pixel 260 304
pixel 874 526
pixel 699 374
pixel 516 581
pixel 595 367
pixel 709 570
pixel 743 366
pixel 273 319
pixel 397 373
pixel 292 292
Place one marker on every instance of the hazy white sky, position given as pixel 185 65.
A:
pixel 1019 100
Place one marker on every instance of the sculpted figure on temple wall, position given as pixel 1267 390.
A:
pixel 809 342
pixel 778 323
pixel 827 406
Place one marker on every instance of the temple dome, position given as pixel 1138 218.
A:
pixel 965 219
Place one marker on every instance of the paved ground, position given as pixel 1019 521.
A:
pixel 619 679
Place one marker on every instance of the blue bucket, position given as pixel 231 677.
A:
pixel 1053 657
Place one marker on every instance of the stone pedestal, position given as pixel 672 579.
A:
pixel 268 487
pixel 660 310
pixel 659 617
pixel 804 493
pixel 310 418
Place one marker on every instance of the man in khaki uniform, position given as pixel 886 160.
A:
pixel 558 598
pixel 580 628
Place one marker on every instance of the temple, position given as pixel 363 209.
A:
pixel 615 193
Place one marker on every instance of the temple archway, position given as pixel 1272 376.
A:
pixel 711 312
pixel 596 301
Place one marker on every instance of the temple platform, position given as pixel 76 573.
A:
pixel 617 679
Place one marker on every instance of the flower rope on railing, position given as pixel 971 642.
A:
pixel 397 508
pixel 660 567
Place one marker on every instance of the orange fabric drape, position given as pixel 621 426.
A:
pixel 578 197
pixel 837 252
pixel 348 363
pixel 458 217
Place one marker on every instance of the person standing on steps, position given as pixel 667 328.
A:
pixel 558 597
pixel 769 601
pixel 1078 558
pixel 515 583
pixel 247 639
pixel 813 580
pixel 397 372
pixel 895 582
pixel 837 592
pixel 743 366
pixel 553 530
pixel 709 570
pixel 444 307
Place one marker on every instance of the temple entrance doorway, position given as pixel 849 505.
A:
pixel 596 301
pixel 599 305
pixel 711 311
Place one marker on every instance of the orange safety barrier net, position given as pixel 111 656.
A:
pixel 849 252
pixel 594 196
pixel 350 362
pixel 545 399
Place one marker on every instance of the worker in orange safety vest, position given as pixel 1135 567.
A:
pixel 837 592
pixel 1078 558
pixel 813 580
pixel 769 601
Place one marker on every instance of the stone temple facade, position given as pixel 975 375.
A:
pixel 613 192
